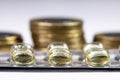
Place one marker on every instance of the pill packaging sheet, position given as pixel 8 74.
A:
pixel 78 63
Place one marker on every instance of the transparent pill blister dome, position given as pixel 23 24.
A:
pixel 78 60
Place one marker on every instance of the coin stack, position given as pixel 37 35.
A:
pixel 8 39
pixel 109 40
pixel 47 30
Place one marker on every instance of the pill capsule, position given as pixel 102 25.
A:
pixel 97 57
pixel 22 54
pixel 90 46
pixel 59 54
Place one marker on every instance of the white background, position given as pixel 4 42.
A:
pixel 60 76
pixel 98 15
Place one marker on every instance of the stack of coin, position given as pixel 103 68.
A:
pixel 8 39
pixel 47 30
pixel 109 40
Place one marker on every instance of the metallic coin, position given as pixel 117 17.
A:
pixel 56 23
pixel 7 39
pixel 47 30
pixel 109 40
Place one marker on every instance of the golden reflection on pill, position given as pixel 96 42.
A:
pixel 59 54
pixel 22 54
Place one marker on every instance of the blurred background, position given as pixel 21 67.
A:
pixel 98 15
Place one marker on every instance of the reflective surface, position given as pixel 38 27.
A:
pixel 22 54
pixel 97 57
pixel 59 54
pixel 78 60
pixel 89 46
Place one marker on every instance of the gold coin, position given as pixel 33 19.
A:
pixel 56 23
pixel 8 39
pixel 109 40
pixel 74 31
pixel 47 30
